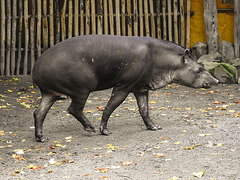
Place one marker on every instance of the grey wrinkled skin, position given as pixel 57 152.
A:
pixel 80 65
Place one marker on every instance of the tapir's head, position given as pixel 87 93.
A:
pixel 191 74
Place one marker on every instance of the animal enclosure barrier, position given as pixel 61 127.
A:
pixel 29 27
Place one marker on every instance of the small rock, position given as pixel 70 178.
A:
pixel 199 49
pixel 227 51
pixel 215 57
pixel 225 73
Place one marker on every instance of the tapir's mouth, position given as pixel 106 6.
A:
pixel 207 85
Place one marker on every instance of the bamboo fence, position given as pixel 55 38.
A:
pixel 29 27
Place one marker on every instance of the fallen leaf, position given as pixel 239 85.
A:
pixel 127 163
pixel 102 170
pixel 199 174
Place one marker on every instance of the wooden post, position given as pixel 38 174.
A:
pixel 188 24
pixel 123 18
pixel 99 17
pixel 211 24
pixel 141 17
pixel 153 34
pixel 169 21
pixel 20 25
pixel 13 44
pixel 57 21
pixel 175 8
pixel 182 23
pixel 111 17
pixel 237 28
pixel 118 26
pixel 63 20
pixel 88 20
pixel 93 15
pixel 146 17
pixel 164 19
pixel 32 35
pixel 45 26
pixel 135 18
pixel 39 22
pixel 70 19
pixel 8 38
pixel 51 23
pixel 81 17
pixel 158 19
pixel 105 17
pixel 3 36
pixel 76 12
pixel 129 18
pixel 25 63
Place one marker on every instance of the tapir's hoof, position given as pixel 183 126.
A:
pixel 155 128
pixel 42 139
pixel 90 129
pixel 105 131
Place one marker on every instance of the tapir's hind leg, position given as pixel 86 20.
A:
pixel 76 109
pixel 40 114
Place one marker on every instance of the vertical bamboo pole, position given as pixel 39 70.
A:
pixel 129 20
pixel 135 17
pixel 141 17
pixel 45 26
pixel 123 17
pixel 111 17
pixel 25 63
pixel 81 17
pixel 105 17
pixel 164 19
pixel 39 22
pixel 118 26
pixel 93 15
pixel 51 23
pixel 13 43
pixel 188 24
pixel 3 36
pixel 76 8
pixel 237 28
pixel 175 7
pixel 88 20
pixel 158 19
pixel 20 24
pixel 99 17
pixel 182 23
pixel 32 37
pixel 153 33
pixel 8 38
pixel 70 19
pixel 146 17
pixel 57 21
pixel 63 20
pixel 170 21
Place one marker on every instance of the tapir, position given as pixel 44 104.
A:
pixel 80 65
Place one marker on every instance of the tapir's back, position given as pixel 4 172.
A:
pixel 95 62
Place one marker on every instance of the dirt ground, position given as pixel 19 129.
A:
pixel 199 139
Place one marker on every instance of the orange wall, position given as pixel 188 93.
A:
pixel 225 24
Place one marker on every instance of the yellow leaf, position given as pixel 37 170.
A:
pixel 159 155
pixel 177 143
pixel 152 102
pixel 10 91
pixel 127 163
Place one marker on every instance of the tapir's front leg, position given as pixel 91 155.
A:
pixel 142 100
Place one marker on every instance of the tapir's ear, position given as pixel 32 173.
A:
pixel 185 56
pixel 186 52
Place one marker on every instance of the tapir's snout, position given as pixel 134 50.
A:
pixel 213 82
